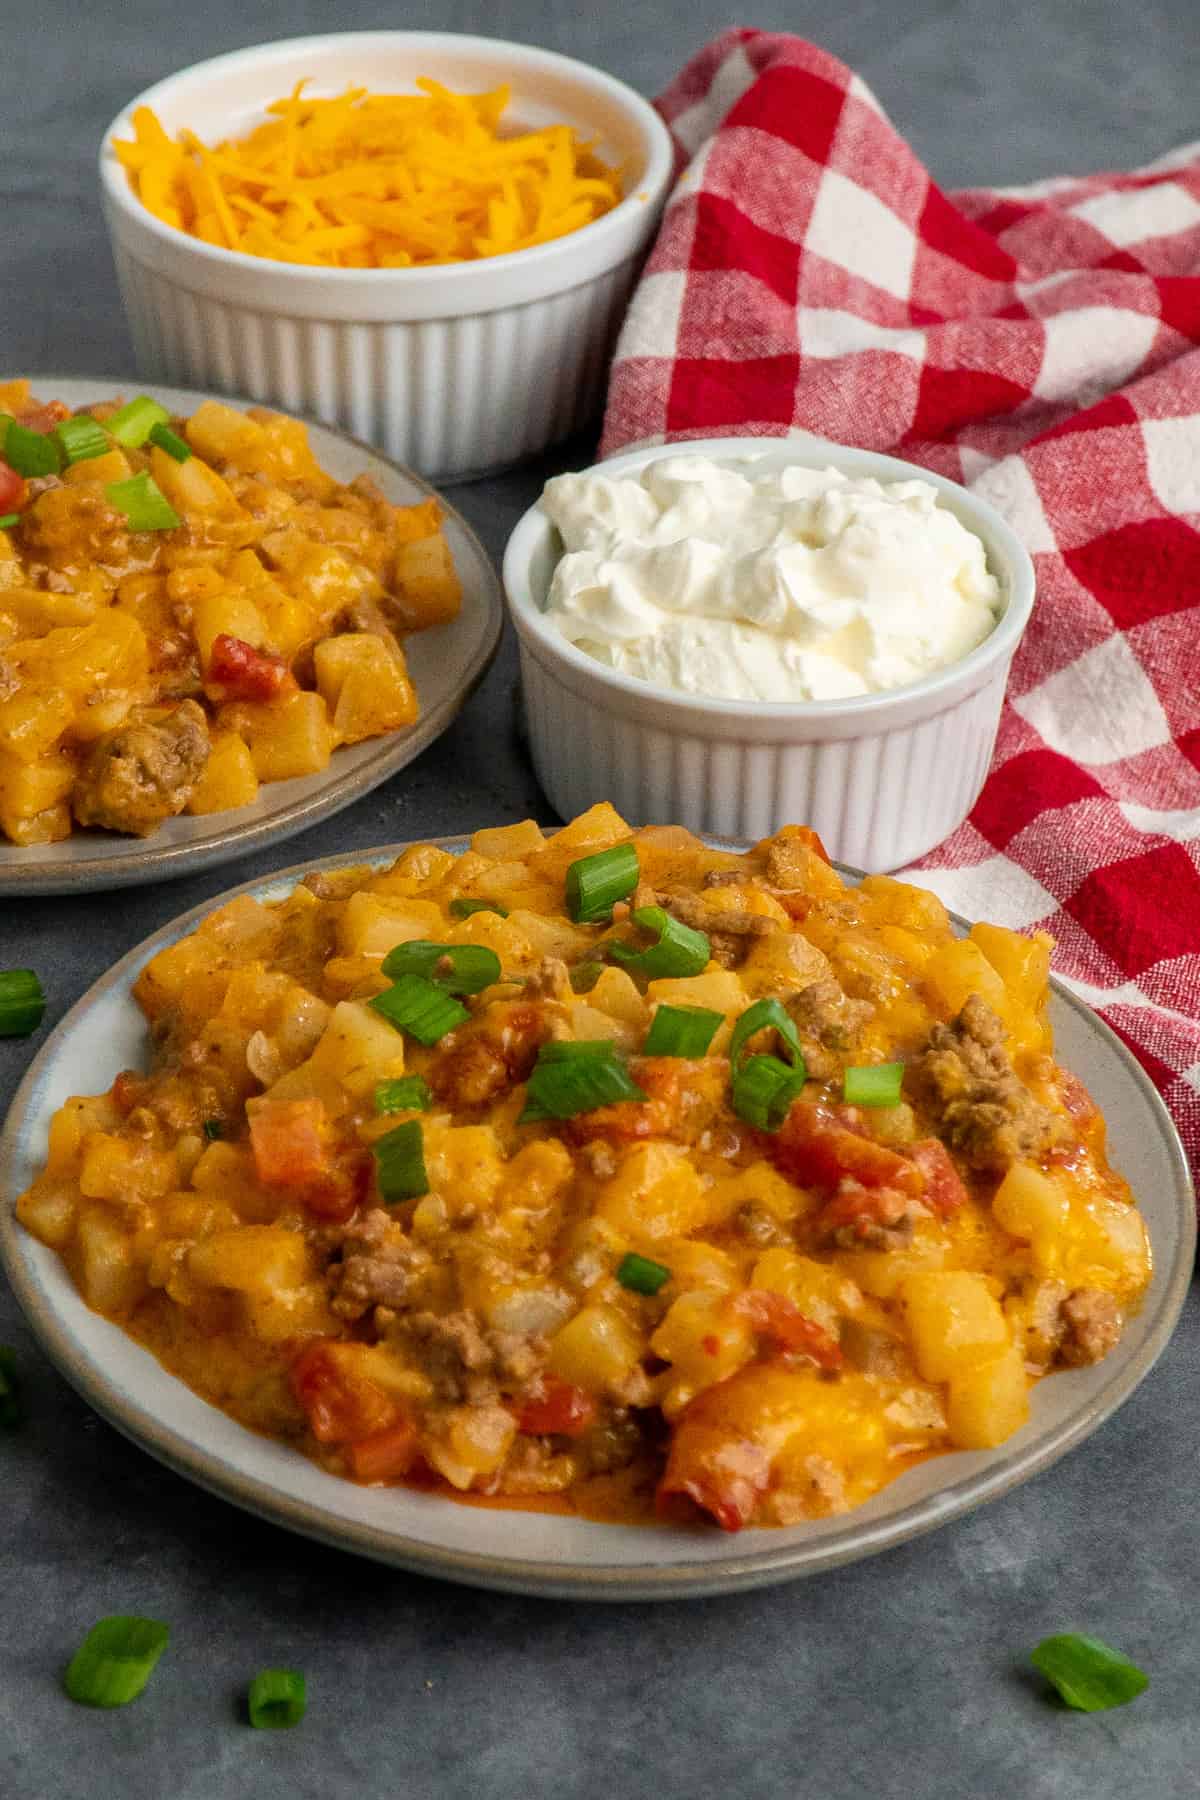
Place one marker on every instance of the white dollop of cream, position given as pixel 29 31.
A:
pixel 749 583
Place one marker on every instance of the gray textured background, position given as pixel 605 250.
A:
pixel 901 1677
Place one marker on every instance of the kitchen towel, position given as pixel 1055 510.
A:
pixel 1040 344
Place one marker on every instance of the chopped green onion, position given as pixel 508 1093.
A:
pixel 576 1078
pixel 9 520
pixel 400 1163
pixel 409 1093
pixel 6 419
pixel 131 425
pixel 679 951
pixel 115 1661
pixel 10 1390
pixel 640 1275
pixel 763 1089
pixel 213 1129
pixel 464 907
pixel 682 1031
pixel 30 453
pixel 596 883
pixel 143 502
pixel 764 1015
pixel 873 1084
pixel 585 975
pixel 414 1005
pixel 456 968
pixel 22 1002
pixel 1091 1676
pixel 81 439
pixel 167 440
pixel 277 1700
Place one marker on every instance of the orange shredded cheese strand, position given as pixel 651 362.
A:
pixel 374 181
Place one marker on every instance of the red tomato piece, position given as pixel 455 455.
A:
pixel 337 1197
pixel 780 1319
pixel 12 490
pixel 245 673
pixel 815 1148
pixel 385 1455
pixel 125 1091
pixel 290 1141
pixel 861 1209
pixel 342 1404
pixel 44 418
pixel 725 1476
pixel 944 1189
pixel 560 1410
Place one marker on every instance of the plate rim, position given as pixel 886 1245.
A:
pixel 558 1580
pixel 142 863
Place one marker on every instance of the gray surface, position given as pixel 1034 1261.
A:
pixel 901 1677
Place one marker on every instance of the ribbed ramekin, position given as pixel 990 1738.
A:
pixel 882 778
pixel 460 369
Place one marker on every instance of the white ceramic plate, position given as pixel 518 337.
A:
pixel 537 1552
pixel 446 664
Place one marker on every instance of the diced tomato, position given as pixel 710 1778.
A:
pixel 385 1455
pixel 12 490
pixel 44 418
pixel 290 1141
pixel 125 1091
pixel 806 835
pixel 814 1148
pixel 683 1097
pixel 560 1410
pixel 725 1476
pixel 343 1405
pixel 244 673
pixel 795 904
pixel 337 1197
pixel 781 1320
pixel 944 1189
pixel 862 1210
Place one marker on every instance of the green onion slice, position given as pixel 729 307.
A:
pixel 213 1129
pixel 409 1093
pixel 873 1084
pixel 10 1390
pixel 22 1002
pixel 115 1661
pixel 415 1005
pixel 131 425
pixel 1090 1675
pixel 763 1089
pixel 764 1015
pixel 682 1031
pixel 585 975
pixel 30 453
pixel 400 1163
pixel 640 1275
pixel 143 502
pixel 456 968
pixel 576 1078
pixel 81 439
pixel 277 1700
pixel 596 883
pixel 680 951
pixel 9 520
pixel 167 440
pixel 464 907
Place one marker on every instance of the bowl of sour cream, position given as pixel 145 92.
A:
pixel 737 633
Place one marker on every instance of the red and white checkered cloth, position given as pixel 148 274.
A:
pixel 1040 344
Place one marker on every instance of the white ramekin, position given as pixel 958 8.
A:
pixel 458 370
pixel 882 778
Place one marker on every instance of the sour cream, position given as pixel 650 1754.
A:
pixel 750 583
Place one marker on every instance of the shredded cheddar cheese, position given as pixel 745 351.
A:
pixel 372 181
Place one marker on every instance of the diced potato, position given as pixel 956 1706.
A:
pixel 718 989
pixel 222 434
pixel 953 1318
pixel 192 486
pixel 359 1048
pixel 372 925
pixel 112 466
pixel 616 994
pixel 597 1349
pixel 47 1209
pixel 899 903
pixel 365 686
pixel 251 1259
pixel 28 788
pixel 225 613
pixel 959 969
pixel 762 1188
pixel 549 937
pixel 32 720
pixel 703 1338
pixel 1022 963
pixel 656 1193
pixel 110 1279
pixel 32 611
pixel 474 1442
pixel 988 1400
pixel 431 592
pixel 421 866
pixel 1030 1204
pixel 286 737
pixel 228 778
pixel 505 843
pixel 819 1290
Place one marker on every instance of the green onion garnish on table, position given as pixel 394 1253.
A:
pixel 115 1661
pixel 464 907
pixel 11 1411
pixel 596 883
pixel 641 1275
pixel 22 1002
pixel 132 424
pixel 9 520
pixel 679 951
pixel 682 1031
pixel 168 440
pixel 277 1700
pixel 400 1163
pixel 415 1005
pixel 577 1078
pixel 408 1093
pixel 873 1084
pixel 1090 1675
pixel 762 1088
pixel 82 438
pixel 143 502
pixel 456 968
pixel 30 453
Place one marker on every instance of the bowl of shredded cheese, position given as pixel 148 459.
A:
pixel 425 238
